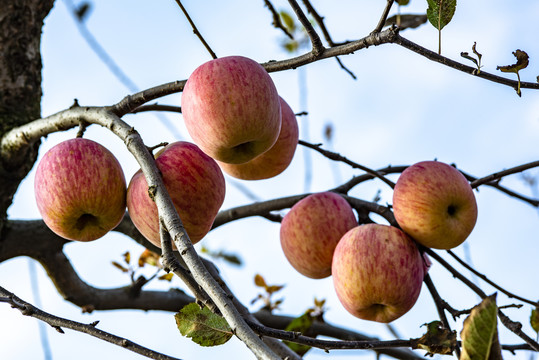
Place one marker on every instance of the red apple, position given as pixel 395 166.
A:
pixel 377 272
pixel 277 158
pixel 311 230
pixel 195 184
pixel 80 190
pixel 435 204
pixel 231 109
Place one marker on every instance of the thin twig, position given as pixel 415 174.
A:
pixel 326 345
pixel 317 46
pixel 515 327
pixel 320 21
pixel 496 185
pixel 493 284
pixel 500 174
pixel 431 55
pixel 277 19
pixel 59 323
pixel 157 107
pixel 337 157
pixel 384 16
pixel 440 305
pixel 195 30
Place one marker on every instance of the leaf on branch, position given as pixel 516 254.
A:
pixel 403 2
pixel 260 281
pixel 437 340
pixel 301 325
pixel 166 277
pixel 479 331
pixel 270 290
pixel 202 326
pixel 226 256
pixel 288 21
pixel 534 319
pixel 148 257
pixel 127 257
pixel 477 61
pixel 119 266
pixel 406 21
pixel 522 63
pixel 440 12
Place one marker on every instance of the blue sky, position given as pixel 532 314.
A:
pixel 402 109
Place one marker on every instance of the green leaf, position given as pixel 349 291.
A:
pixel 479 331
pixel 437 340
pixel 288 21
pixel 403 2
pixel 534 319
pixel 301 325
pixel 440 12
pixel 202 326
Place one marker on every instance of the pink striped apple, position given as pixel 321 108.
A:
pixel 231 109
pixel 277 158
pixel 377 272
pixel 80 190
pixel 435 204
pixel 311 230
pixel 195 184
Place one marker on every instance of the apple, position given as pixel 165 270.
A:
pixel 277 158
pixel 377 272
pixel 80 190
pixel 195 184
pixel 311 230
pixel 435 204
pixel 231 109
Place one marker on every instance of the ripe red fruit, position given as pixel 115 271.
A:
pixel 80 190
pixel 195 184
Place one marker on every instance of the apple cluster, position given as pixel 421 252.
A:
pixel 238 123
pixel 378 270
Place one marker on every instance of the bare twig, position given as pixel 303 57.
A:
pixel 59 323
pixel 500 174
pixel 157 107
pixel 337 157
pixel 277 19
pixel 487 280
pixel 384 16
pixel 195 30
pixel 317 47
pixel 515 327
pixel 440 305
pixel 320 21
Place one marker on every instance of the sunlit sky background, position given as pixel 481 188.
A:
pixel 402 109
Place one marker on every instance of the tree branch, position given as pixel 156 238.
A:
pixel 59 323
pixel 317 46
pixel 195 30
pixel 166 210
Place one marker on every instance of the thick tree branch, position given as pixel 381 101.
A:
pixel 167 212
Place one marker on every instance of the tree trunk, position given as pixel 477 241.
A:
pixel 21 22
